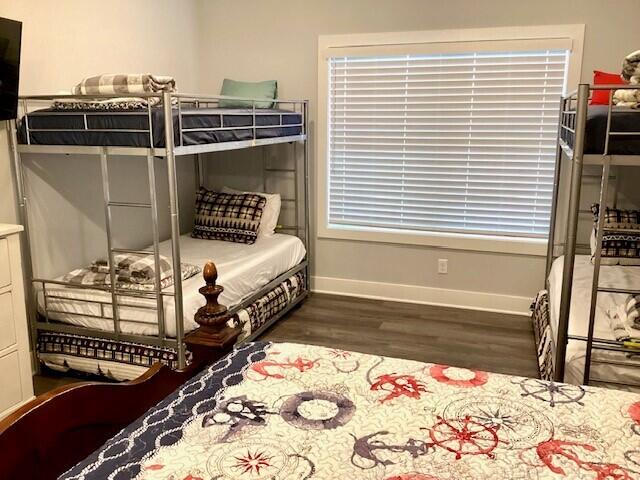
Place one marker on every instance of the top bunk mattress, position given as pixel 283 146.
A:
pixel 131 128
pixel 242 270
pixel 622 120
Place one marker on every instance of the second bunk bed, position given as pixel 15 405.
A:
pixel 89 319
pixel 584 319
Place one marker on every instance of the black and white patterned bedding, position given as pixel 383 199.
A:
pixel 543 335
pixel 227 216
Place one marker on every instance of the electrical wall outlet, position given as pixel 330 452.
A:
pixel 443 265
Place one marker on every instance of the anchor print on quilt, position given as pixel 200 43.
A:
pixel 288 411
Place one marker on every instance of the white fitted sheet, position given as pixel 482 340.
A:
pixel 242 270
pixel 605 365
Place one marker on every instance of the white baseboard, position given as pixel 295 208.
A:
pixel 426 295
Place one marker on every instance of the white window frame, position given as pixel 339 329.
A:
pixel 460 241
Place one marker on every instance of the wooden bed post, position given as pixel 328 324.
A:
pixel 214 338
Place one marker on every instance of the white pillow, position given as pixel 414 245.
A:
pixel 270 212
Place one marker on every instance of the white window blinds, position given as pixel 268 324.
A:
pixel 461 142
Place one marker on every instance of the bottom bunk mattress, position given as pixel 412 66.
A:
pixel 287 411
pixel 607 368
pixel 120 361
pixel 242 270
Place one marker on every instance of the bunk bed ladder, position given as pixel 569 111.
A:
pixel 300 228
pixel 155 251
pixel 597 257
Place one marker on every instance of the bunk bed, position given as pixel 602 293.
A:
pixel 120 333
pixel 572 317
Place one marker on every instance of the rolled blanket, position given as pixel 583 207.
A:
pixel 87 276
pixel 631 67
pixel 110 84
pixel 125 83
pixel 134 268
pixel 631 73
pixel 627 98
pixel 623 318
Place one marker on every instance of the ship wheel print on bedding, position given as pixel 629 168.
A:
pixel 520 424
pixel 559 455
pixel 465 436
pixel 551 392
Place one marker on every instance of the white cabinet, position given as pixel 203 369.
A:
pixel 16 383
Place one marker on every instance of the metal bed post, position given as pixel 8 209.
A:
pixel 554 198
pixel 107 217
pixel 597 260
pixel 198 163
pixel 263 158
pixel 296 190
pixel 572 228
pixel 156 242
pixel 198 171
pixel 307 209
pixel 596 267
pixel 175 226
pixel 30 298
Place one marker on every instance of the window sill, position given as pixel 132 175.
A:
pixel 453 241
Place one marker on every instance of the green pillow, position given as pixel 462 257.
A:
pixel 233 88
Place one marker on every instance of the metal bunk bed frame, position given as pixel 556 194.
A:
pixel 172 105
pixel 573 121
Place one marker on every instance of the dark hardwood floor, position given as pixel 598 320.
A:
pixel 463 338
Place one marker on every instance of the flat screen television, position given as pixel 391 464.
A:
pixel 10 40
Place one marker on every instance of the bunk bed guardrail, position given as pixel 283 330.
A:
pixel 175 108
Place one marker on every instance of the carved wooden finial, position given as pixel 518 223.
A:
pixel 212 316
pixel 210 273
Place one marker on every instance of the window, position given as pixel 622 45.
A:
pixel 448 138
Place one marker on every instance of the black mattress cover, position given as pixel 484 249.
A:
pixel 101 129
pixel 622 120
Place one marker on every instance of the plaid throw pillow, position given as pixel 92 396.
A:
pixel 228 217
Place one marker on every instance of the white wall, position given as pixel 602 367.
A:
pixel 266 39
pixel 64 41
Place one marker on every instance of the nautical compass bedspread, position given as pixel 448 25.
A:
pixel 287 411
